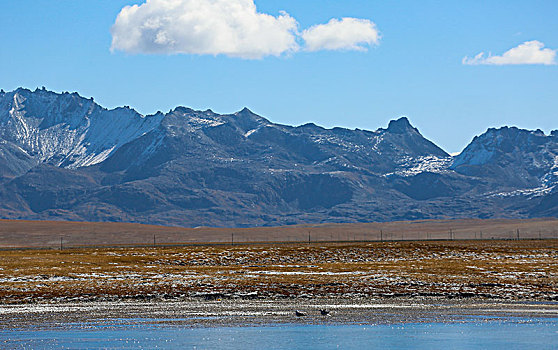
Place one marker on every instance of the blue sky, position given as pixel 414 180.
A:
pixel 415 69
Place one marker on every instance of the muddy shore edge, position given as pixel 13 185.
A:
pixel 195 312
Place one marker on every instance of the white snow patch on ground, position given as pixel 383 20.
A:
pixel 307 273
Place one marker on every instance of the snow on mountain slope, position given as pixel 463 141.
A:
pixel 190 167
pixel 409 166
pixel 68 130
pixel 525 159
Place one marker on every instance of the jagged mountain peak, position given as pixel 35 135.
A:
pixel 511 131
pixel 518 157
pixel 182 109
pixel 503 140
pixel 43 92
pixel 247 114
pixel 311 126
pixel 245 111
pixel 401 126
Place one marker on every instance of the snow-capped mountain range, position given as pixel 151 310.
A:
pixel 67 130
pixel 65 157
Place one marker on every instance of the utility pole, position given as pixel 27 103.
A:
pixel 381 236
pixel 309 237
pixel 518 234
pixel 154 241
pixel 232 238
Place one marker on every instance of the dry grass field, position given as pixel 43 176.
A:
pixel 49 234
pixel 491 269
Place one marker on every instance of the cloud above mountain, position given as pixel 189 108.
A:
pixel 529 52
pixel 233 28
pixel 345 34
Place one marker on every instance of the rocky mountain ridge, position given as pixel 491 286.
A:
pixel 64 157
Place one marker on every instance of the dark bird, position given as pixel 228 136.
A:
pixel 299 313
pixel 324 312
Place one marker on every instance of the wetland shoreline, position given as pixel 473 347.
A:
pixel 195 312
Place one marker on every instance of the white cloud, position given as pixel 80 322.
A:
pixel 229 27
pixel 344 34
pixel 530 52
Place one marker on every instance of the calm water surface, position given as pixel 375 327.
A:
pixel 473 333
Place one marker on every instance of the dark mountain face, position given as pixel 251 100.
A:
pixel 65 157
pixel 14 161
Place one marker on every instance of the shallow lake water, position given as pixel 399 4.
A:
pixel 471 333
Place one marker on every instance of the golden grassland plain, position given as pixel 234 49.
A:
pixel 50 234
pixel 489 269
